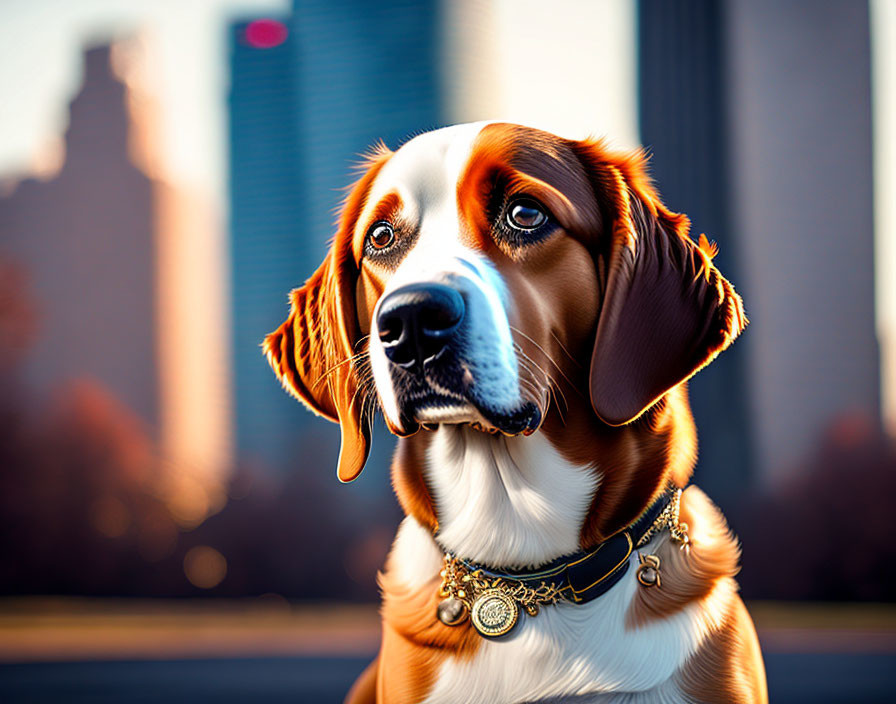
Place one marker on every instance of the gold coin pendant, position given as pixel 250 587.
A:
pixel 494 613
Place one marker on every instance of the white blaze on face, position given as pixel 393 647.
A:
pixel 425 173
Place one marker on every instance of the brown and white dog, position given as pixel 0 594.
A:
pixel 525 312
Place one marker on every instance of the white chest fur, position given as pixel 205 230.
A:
pixel 570 650
pixel 505 502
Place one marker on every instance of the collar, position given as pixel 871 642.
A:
pixel 577 578
pixel 587 574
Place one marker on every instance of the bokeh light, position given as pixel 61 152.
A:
pixel 205 567
pixel 110 517
pixel 266 33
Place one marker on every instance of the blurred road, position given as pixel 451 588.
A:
pixel 173 652
pixel 793 678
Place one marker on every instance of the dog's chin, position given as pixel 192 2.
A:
pixel 522 419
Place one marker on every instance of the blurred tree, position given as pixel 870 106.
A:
pixel 84 507
pixel 82 511
pixel 826 536
pixel 17 315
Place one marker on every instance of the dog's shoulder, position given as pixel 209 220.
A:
pixel 689 573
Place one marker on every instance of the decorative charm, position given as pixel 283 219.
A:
pixel 649 571
pixel 494 613
pixel 494 603
pixel 452 612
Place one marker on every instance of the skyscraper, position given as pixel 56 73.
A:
pixel 365 72
pixel 801 141
pixel 683 123
pixel 303 109
pixel 122 270
pixel 268 229
pixel 86 244
pixel 758 116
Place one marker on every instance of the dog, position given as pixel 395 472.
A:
pixel 525 313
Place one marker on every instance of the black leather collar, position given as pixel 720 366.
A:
pixel 586 575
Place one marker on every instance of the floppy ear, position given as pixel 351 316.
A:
pixel 667 311
pixel 312 351
pixel 310 354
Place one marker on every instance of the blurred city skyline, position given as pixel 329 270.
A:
pixel 197 166
pixel 178 61
pixel 178 56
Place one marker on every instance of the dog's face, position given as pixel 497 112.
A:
pixel 462 254
pixel 478 265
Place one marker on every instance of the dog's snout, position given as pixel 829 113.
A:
pixel 416 322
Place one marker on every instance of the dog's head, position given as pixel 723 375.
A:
pixel 478 264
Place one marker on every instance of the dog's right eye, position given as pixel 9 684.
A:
pixel 380 236
pixel 524 222
pixel 525 214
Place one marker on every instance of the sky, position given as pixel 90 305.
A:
pixel 185 46
pixel 883 73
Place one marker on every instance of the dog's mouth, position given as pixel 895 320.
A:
pixel 429 404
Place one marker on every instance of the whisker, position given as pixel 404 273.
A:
pixel 532 362
pixel 565 351
pixel 549 358
pixel 532 387
pixel 527 364
pixel 552 385
pixel 334 367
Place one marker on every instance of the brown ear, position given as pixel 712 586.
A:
pixel 667 311
pixel 313 351
pixel 311 355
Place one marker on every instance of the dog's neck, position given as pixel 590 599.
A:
pixel 507 502
pixel 524 501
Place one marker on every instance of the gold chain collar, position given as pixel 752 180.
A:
pixel 493 603
pixel 669 518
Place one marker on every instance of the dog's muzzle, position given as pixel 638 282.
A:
pixel 416 323
pixel 445 359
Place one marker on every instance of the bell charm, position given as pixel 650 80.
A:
pixel 451 611
pixel 649 571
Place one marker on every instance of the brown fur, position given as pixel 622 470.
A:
pixel 728 666
pixel 410 487
pixel 415 642
pixel 363 691
pixel 688 573
pixel 593 191
pixel 312 352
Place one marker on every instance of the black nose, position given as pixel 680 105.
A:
pixel 416 322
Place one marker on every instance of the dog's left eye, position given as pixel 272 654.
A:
pixel 380 235
pixel 525 214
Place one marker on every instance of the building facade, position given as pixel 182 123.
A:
pixel 302 114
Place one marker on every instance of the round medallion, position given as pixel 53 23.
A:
pixel 451 611
pixel 494 613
